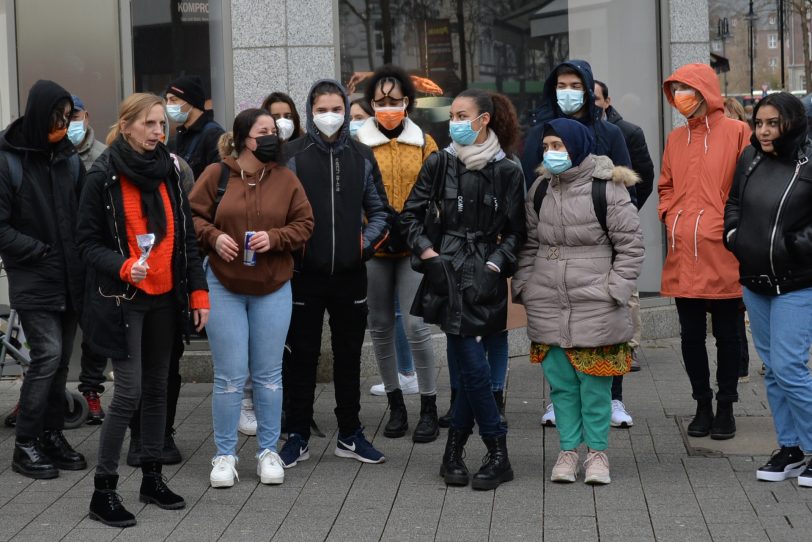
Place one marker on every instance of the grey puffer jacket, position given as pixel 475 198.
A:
pixel 575 294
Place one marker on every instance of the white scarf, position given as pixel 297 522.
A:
pixel 475 157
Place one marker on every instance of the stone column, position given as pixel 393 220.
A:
pixel 689 39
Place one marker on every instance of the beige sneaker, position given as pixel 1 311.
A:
pixel 597 468
pixel 566 467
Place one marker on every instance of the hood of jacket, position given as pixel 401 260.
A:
pixel 36 122
pixel 703 79
pixel 549 102
pixel 313 132
pixel 370 135
pixel 612 115
pixel 578 139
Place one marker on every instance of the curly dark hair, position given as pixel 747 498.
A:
pixel 504 121
pixel 388 77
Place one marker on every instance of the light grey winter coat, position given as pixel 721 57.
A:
pixel 574 294
pixel 90 149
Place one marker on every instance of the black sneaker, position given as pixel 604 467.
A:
pixel 805 478
pixel 788 462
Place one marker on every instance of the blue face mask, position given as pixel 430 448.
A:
pixel 461 131
pixel 557 162
pixel 173 112
pixel 354 125
pixel 569 101
pixel 76 131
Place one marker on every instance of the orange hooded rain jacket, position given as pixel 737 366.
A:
pixel 697 171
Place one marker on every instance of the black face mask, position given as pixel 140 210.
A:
pixel 267 148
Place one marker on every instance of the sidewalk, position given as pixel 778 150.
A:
pixel 664 487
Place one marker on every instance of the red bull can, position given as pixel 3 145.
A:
pixel 249 257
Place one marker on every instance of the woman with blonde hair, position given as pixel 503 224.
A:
pixel 145 284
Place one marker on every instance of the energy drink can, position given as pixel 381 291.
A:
pixel 249 257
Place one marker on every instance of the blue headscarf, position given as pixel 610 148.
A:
pixel 577 138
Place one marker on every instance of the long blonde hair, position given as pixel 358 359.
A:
pixel 131 108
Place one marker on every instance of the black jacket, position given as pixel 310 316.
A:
pixel 37 218
pixel 638 152
pixel 483 219
pixel 197 144
pixel 343 184
pixel 102 238
pixel 768 221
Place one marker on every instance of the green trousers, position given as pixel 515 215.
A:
pixel 582 403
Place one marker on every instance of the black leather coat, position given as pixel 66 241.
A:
pixel 483 219
pixel 768 220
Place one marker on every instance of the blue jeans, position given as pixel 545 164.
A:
pixel 474 402
pixel 496 347
pixel 247 332
pixel 782 333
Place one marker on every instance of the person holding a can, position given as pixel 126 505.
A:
pixel 249 232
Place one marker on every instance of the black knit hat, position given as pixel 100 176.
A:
pixel 190 89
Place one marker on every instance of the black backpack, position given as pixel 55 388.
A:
pixel 15 168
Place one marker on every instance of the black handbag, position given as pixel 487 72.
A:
pixel 433 221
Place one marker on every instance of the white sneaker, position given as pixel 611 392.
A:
pixel 224 471
pixel 248 420
pixel 548 419
pixel 620 418
pixel 566 467
pixel 408 386
pixel 270 468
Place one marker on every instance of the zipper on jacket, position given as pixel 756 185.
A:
pixel 332 212
pixel 183 245
pixel 798 165
pixel 696 231
pixel 674 231
pixel 120 250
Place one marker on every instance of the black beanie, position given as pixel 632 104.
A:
pixel 190 89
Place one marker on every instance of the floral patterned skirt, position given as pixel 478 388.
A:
pixel 611 360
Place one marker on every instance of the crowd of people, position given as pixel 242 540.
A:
pixel 250 235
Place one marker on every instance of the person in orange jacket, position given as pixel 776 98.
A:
pixel 697 171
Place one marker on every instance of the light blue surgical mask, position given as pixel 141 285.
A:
pixel 76 131
pixel 354 126
pixel 557 162
pixel 173 112
pixel 461 131
pixel 569 100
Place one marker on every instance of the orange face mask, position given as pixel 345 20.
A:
pixel 390 117
pixel 57 135
pixel 687 101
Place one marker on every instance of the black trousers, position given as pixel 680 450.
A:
pixel 91 376
pixel 172 389
pixel 693 332
pixel 344 299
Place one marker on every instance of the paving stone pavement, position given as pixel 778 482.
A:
pixel 659 491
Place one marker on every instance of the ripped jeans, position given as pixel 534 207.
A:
pixel 247 333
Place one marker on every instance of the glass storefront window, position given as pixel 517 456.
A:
pixel 510 46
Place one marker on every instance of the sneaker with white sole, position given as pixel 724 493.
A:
pixel 408 386
pixel 620 418
pixel 270 468
pixel 597 468
pixel 548 420
pixel 294 450
pixel 223 471
pixel 788 462
pixel 356 446
pixel 805 478
pixel 248 419
pixel 566 467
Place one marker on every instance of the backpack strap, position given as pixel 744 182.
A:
pixel 538 196
pixel 599 202
pixel 190 150
pixel 15 169
pixel 221 186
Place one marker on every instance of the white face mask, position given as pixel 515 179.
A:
pixel 284 128
pixel 328 123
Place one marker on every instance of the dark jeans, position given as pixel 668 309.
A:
pixel 474 402
pixel 50 336
pixel 172 389
pixel 142 376
pixel 91 377
pixel 344 298
pixel 693 331
pixel 617 388
pixel 496 350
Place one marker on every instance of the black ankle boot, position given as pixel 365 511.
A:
pixel 499 397
pixel 453 469
pixel 724 425
pixel 170 455
pixel 700 426
pixel 427 429
pixel 29 460
pixel 496 466
pixel 445 420
pixel 105 506
pixel 60 452
pixel 398 422
pixel 154 489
